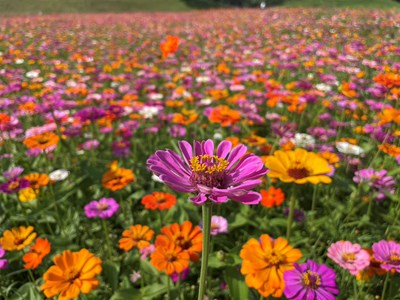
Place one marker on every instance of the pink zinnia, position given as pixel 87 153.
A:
pixel 228 174
pixel 388 253
pixel 349 256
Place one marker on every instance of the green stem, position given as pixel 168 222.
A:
pixel 291 215
pixel 207 212
pixel 314 198
pixel 106 233
pixel 385 285
pixel 168 288
pixel 369 211
pixel 178 286
pixel 31 275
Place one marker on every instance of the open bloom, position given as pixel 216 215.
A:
pixel 349 256
pixel 73 273
pixel 264 262
pixel 37 252
pixel 3 261
pixel 170 258
pixel 169 46
pixel 186 236
pixel 117 178
pixel 388 253
pixel 17 238
pixel 310 281
pixel 228 174
pixel 218 225
pixel 137 236
pixel 298 166
pixel 159 200
pixel 272 197
pixel 104 208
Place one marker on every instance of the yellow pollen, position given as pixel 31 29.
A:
pixel 348 256
pixel 311 279
pixel 13 185
pixel 274 258
pixel 208 164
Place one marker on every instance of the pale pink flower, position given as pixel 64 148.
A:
pixel 349 256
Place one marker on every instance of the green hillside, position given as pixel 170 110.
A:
pixel 84 6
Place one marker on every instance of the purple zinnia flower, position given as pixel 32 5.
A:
pixel 230 174
pixel 104 208
pixel 14 185
pixel 310 281
pixel 175 276
pixel 218 225
pixel 387 252
pixel 121 148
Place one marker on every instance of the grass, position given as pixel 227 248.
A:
pixel 85 6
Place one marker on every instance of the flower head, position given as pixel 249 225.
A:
pixel 14 185
pixel 349 256
pixel 59 175
pixel 228 174
pixel 169 46
pixel 117 178
pixel 73 273
pixel 264 263
pixel 170 258
pixel 104 208
pixel 42 141
pixel 310 281
pixel 159 201
pixel 18 238
pixel 298 166
pixel 13 172
pixel 3 261
pixel 36 253
pixel 388 253
pixel 186 236
pixel 218 225
pixel 136 236
pixel 272 197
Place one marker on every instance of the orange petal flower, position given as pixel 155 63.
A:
pixel 37 252
pixel 186 236
pixel 169 46
pixel 42 141
pixel 272 197
pixel 73 273
pixel 170 258
pixel 37 180
pixel 264 262
pixel 159 200
pixel 224 115
pixel 17 238
pixel 137 236
pixel 117 178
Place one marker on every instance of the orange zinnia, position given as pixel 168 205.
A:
pixel 37 252
pixel 159 200
pixel 73 273
pixel 169 46
pixel 36 180
pixel 186 117
pixel 186 236
pixel 272 197
pixel 170 258
pixel 17 238
pixel 117 178
pixel 42 141
pixel 264 262
pixel 137 236
pixel 224 115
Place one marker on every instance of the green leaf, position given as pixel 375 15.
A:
pixel 238 289
pixel 127 294
pixel 152 291
pixel 111 274
pixel 27 292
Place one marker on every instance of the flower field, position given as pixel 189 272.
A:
pixel 226 154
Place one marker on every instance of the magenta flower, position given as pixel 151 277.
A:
pixel 14 185
pixel 228 174
pixel 176 276
pixel 146 251
pixel 349 256
pixel 13 172
pixel 387 252
pixel 310 281
pixel 3 262
pixel 104 208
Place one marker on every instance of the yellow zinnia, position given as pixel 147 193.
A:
pixel 299 166
pixel 17 238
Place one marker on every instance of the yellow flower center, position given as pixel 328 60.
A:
pixel 102 206
pixel 13 185
pixel 208 164
pixel 311 279
pixel 208 170
pixel 348 256
pixel 394 258
pixel 274 258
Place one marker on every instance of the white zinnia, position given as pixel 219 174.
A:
pixel 59 175
pixel 303 140
pixel 347 148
